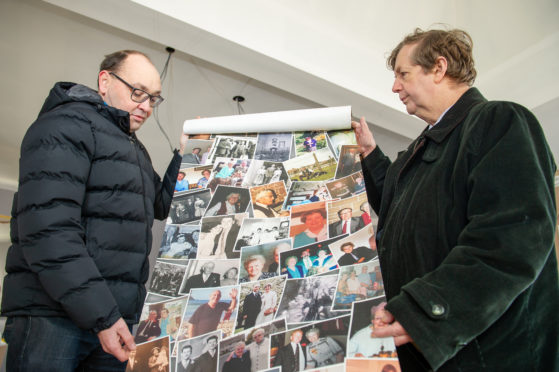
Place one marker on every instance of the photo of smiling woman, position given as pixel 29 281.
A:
pixel 313 225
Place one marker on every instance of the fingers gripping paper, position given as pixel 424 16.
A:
pixel 268 244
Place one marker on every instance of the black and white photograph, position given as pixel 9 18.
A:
pixel 273 146
pixel 218 236
pixel 318 165
pixel 234 147
pixel 262 230
pixel 228 200
pixel 259 262
pixel 150 356
pixel 259 302
pixel 198 353
pixel 188 207
pixel 166 279
pixel 264 172
pixel 358 282
pixel 210 273
pixel 368 316
pixel 308 299
pixel 210 309
pixel 228 172
pixel 179 242
pixel 350 161
pixel 322 344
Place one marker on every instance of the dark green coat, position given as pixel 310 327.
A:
pixel 465 239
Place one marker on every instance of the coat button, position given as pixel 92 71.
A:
pixel 437 310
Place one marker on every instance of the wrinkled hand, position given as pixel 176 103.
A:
pixel 364 136
pixel 393 329
pixel 117 340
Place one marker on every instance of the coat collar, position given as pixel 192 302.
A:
pixel 455 115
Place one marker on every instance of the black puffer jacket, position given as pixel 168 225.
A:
pixel 82 217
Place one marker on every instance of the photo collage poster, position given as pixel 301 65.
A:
pixel 267 245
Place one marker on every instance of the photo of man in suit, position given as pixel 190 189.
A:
pixel 291 357
pixel 148 329
pixel 185 362
pixel 206 279
pixel 354 255
pixel 347 224
pixel 192 158
pixel 207 362
pixel 251 307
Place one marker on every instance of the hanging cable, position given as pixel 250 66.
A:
pixel 240 109
pixel 162 77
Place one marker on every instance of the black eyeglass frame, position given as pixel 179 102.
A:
pixel 154 101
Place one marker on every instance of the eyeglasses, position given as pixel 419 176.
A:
pixel 139 95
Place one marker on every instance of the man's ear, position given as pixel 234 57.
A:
pixel 103 82
pixel 439 70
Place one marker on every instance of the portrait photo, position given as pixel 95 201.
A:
pixel 208 273
pixel 309 223
pixel 267 200
pixel 150 356
pixel 350 161
pixel 210 309
pixel 258 262
pixel 259 302
pixel 368 316
pixel 218 236
pixel 346 216
pixel 228 200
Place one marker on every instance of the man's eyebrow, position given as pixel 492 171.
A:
pixel 144 88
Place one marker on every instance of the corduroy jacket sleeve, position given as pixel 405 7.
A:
pixel 503 247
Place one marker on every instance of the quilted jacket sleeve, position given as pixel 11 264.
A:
pixel 55 161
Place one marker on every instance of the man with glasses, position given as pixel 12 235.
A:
pixel 82 220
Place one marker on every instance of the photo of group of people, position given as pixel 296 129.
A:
pixel 269 244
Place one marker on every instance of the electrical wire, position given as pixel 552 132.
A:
pixel 162 77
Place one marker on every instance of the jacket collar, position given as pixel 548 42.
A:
pixel 66 92
pixel 455 115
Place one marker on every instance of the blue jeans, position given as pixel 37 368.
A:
pixel 54 344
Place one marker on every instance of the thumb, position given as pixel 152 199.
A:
pixel 126 338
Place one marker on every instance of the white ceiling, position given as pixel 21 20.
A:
pixel 279 54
